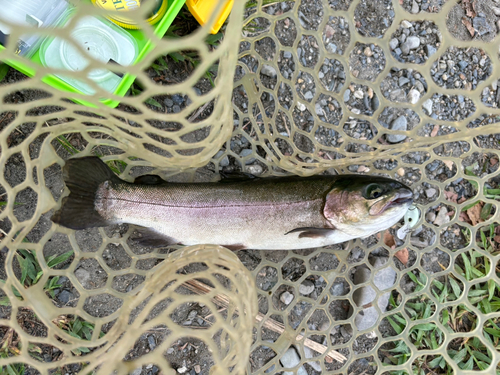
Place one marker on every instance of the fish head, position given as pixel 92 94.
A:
pixel 363 205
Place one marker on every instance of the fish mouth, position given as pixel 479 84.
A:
pixel 403 196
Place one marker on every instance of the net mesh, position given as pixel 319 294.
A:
pixel 403 89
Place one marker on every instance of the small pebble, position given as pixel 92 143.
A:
pixel 178 99
pixel 430 217
pixel 430 193
pixel 182 370
pixel 269 71
pixel 151 342
pixel 291 359
pixel 405 24
pixel 431 50
pixel 428 106
pixel 359 94
pixel 401 172
pixel 413 96
pixel 442 216
pixel 415 8
pixel 393 43
pixel 255 169
pixel 197 369
pixel 301 106
pixel 399 124
pixel 287 297
pixel 306 287
pixel 413 42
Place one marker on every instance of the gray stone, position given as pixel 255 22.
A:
pixel 287 55
pixel 318 109
pixel 430 50
pixel 413 42
pixel 430 193
pixel 224 162
pixel 347 95
pixel 396 95
pixel 384 279
pixel 482 26
pixel 65 296
pixel 151 342
pixel 301 106
pixel 286 298
pixel 311 354
pixel 413 96
pixel 137 371
pixel 291 359
pixel 405 48
pixel 393 43
pixel 176 109
pixel 255 169
pixel 428 106
pixel 419 86
pixel 269 71
pixel 83 277
pixel 405 24
pixel 442 216
pixel 403 81
pixel 337 289
pixel 178 99
pixel 399 124
pixel 306 287
pixel 308 95
pixel 331 47
pixel 246 152
pixel 463 64
pixel 168 102
pixel 414 7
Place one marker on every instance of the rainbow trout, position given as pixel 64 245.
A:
pixel 254 213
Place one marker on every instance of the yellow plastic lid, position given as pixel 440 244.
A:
pixel 202 10
pixel 127 5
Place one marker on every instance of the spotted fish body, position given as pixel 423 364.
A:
pixel 260 213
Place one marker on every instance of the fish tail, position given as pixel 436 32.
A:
pixel 83 176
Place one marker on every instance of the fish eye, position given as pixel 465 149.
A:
pixel 373 191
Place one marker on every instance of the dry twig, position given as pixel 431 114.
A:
pixel 201 288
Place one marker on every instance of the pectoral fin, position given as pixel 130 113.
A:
pixel 311 232
pixel 149 179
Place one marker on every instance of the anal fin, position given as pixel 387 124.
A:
pixel 235 247
pixel 151 238
pixel 311 232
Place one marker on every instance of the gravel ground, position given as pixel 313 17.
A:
pixel 414 42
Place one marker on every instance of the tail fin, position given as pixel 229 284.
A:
pixel 83 177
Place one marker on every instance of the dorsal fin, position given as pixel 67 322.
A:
pixel 149 179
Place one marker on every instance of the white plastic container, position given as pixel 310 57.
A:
pixel 100 39
pixel 30 13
